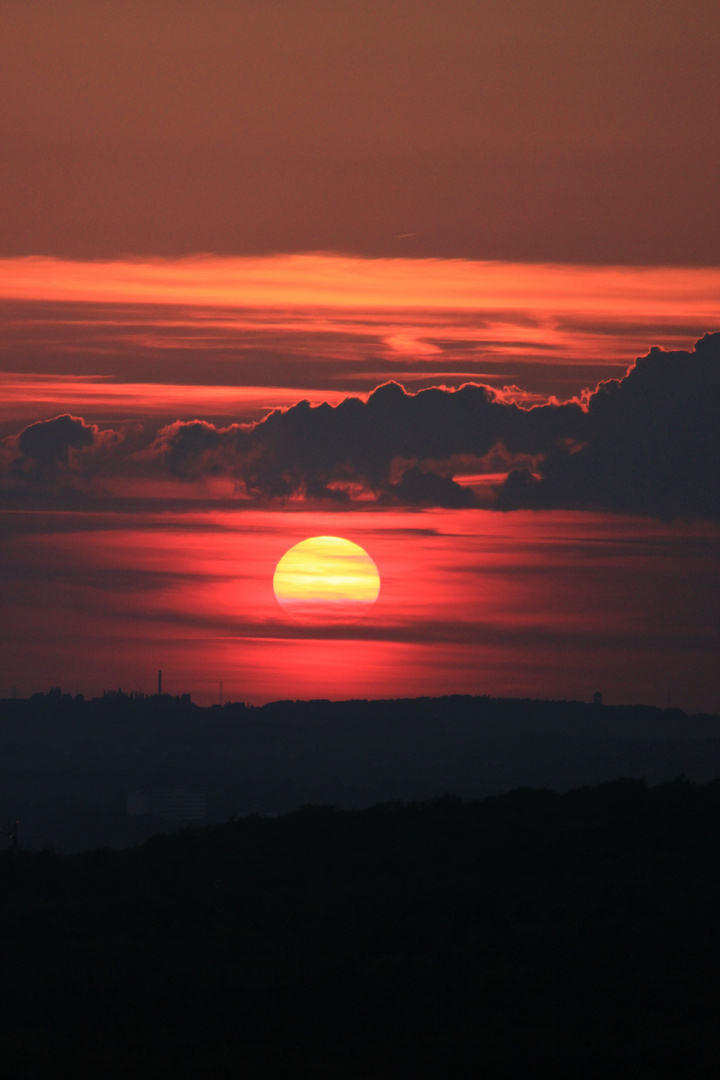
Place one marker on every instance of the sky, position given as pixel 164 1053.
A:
pixel 441 279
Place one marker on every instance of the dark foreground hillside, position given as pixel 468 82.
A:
pixel 115 770
pixel 533 933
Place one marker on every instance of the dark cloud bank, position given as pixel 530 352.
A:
pixel 648 443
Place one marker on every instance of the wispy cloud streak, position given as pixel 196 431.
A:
pixel 336 281
pixel 326 321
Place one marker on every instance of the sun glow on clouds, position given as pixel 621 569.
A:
pixel 344 281
pixel 327 306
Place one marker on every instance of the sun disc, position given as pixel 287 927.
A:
pixel 326 579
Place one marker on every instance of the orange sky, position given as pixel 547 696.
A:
pixel 26 398
pixel 571 132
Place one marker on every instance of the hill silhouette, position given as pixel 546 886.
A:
pixel 563 935
pixel 70 769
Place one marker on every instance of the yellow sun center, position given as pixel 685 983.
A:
pixel 326 579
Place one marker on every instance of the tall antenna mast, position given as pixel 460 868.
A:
pixel 159 683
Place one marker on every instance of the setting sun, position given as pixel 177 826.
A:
pixel 326 579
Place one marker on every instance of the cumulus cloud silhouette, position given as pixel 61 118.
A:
pixel 326 451
pixel 194 449
pixel 49 442
pixel 648 443
pixel 651 443
pixel 418 488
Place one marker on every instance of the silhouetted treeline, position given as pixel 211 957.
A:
pixel 68 766
pixel 533 933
